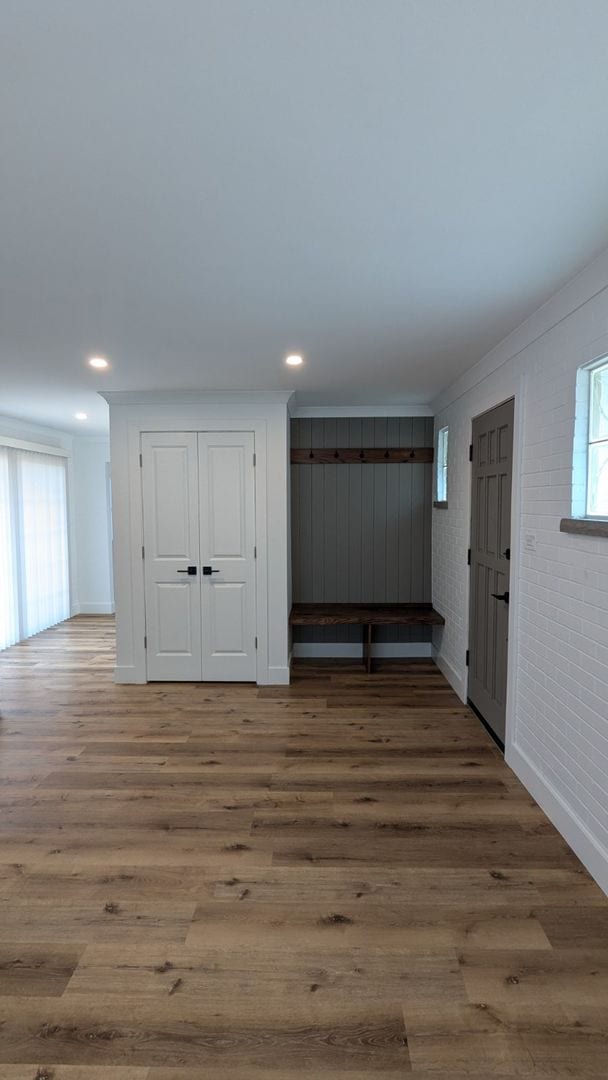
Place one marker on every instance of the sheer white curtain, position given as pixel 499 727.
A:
pixel 34 566
pixel 9 582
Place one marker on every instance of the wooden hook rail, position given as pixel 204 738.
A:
pixel 370 456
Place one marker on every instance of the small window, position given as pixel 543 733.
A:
pixel 597 448
pixel 441 473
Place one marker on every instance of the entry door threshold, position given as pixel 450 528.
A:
pixel 499 742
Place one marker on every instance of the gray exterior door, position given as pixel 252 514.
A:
pixel 490 554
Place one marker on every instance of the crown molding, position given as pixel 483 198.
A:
pixel 327 411
pixel 195 397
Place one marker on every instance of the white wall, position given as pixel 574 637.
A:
pixel 557 708
pixel 265 414
pixel 91 458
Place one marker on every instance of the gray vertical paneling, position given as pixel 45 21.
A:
pixel 367 516
pixel 342 522
pixel 361 533
pixel 378 478
pixel 354 480
pixel 316 584
pixel 417 517
pixel 405 517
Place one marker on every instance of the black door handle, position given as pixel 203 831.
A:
pixel 501 596
pixel 208 570
pixel 190 570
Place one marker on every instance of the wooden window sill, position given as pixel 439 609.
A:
pixel 584 526
pixel 438 505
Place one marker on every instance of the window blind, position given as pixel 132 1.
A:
pixel 34 563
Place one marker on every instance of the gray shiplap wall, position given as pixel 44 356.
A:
pixel 361 533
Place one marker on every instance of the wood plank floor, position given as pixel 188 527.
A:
pixel 339 880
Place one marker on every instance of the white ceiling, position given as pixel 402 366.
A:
pixel 193 188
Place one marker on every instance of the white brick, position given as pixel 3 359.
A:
pixel 559 714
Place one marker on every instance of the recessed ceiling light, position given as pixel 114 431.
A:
pixel 98 362
pixel 294 360
pixel 80 416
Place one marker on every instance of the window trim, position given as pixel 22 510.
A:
pixel 579 514
pixel 591 369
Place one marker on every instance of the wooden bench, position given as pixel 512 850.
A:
pixel 367 615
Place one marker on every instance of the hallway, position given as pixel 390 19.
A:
pixel 340 879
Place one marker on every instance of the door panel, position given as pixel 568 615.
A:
pixel 171 544
pixel 173 615
pixel 227 614
pixel 227 522
pixel 490 541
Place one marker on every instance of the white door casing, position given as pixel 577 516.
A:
pixel 227 543
pixel 198 494
pixel 171 544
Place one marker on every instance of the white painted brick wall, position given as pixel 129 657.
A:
pixel 557 724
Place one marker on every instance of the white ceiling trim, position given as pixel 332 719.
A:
pixel 360 410
pixel 196 397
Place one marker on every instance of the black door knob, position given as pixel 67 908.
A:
pixel 501 596
pixel 208 570
pixel 190 570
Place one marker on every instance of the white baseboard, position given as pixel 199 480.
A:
pixel 128 674
pixel 277 676
pixel 96 609
pixel 588 849
pixel 455 680
pixel 348 649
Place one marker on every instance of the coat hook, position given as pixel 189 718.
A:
pixel 361 455
pixel 311 456
pixel 386 453
pixel 412 453
pixel 336 454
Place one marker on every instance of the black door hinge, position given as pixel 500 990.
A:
pixel 467 658
pixel 469 557
pixel 141 460
pixel 471 452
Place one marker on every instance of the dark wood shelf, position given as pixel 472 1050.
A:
pixel 365 615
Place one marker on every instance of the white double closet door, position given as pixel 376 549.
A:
pixel 199 555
